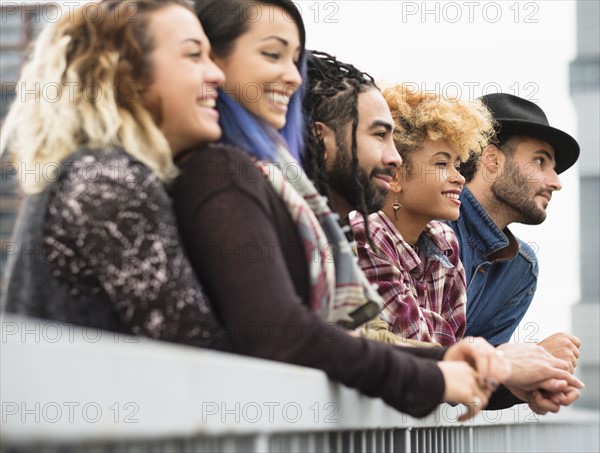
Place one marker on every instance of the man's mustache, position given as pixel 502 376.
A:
pixel 382 172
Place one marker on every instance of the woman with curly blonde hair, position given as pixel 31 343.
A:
pixel 416 262
pixel 120 87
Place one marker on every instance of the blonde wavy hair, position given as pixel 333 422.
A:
pixel 82 86
pixel 467 126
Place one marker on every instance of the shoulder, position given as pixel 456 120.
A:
pixel 216 153
pixel 527 251
pixel 100 157
pixel 216 167
pixel 222 175
pixel 103 182
pixel 108 166
pixel 439 229
pixel 377 224
pixel 381 231
pixel 445 238
pixel 100 170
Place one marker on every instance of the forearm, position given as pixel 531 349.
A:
pixel 261 295
pixel 502 399
pixel 378 330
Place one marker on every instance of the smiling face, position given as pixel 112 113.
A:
pixel 528 180
pixel 429 184
pixel 261 72
pixel 377 156
pixel 184 79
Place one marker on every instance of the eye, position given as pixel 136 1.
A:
pixel 381 134
pixel 441 163
pixel 540 161
pixel 195 55
pixel 271 55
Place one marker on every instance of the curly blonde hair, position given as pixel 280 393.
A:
pixel 81 87
pixel 467 126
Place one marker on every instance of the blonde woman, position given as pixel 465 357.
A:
pixel 135 86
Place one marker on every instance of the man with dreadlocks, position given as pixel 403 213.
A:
pixel 350 148
pixel 349 156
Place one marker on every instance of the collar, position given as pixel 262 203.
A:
pixel 431 242
pixel 483 234
pixel 347 230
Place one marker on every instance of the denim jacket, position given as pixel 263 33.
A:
pixel 499 291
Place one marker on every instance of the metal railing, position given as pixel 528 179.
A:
pixel 74 389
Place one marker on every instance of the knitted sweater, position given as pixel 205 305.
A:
pixel 99 247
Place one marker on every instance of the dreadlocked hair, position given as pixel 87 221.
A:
pixel 331 98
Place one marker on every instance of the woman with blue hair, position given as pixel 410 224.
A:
pixel 266 246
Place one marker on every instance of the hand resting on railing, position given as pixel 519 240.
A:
pixel 539 378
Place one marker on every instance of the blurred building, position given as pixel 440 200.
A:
pixel 585 90
pixel 20 23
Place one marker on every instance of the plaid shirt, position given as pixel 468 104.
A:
pixel 423 289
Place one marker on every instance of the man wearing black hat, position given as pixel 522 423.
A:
pixel 512 181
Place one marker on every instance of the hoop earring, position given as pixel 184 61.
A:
pixel 396 206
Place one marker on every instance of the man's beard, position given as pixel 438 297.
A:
pixel 343 181
pixel 514 190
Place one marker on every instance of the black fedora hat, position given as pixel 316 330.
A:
pixel 518 116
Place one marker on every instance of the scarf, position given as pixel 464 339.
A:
pixel 339 290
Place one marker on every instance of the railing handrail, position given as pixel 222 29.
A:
pixel 61 383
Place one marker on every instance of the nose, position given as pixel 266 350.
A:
pixel 213 73
pixel 291 76
pixel 553 181
pixel 391 156
pixel 456 176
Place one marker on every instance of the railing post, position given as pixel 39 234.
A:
pixel 261 443
pixel 471 448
